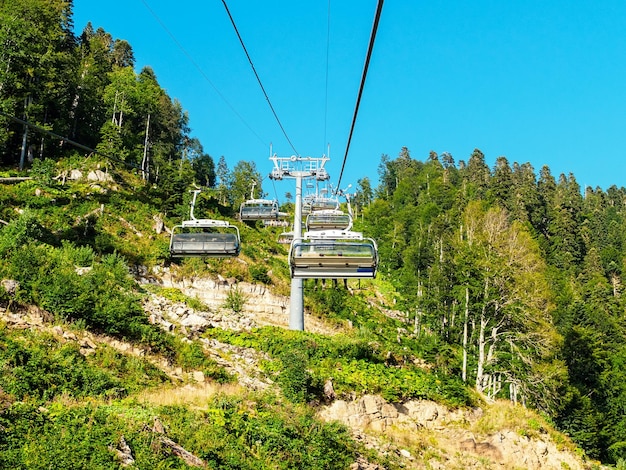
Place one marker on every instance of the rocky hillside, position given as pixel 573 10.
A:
pixel 497 435
pixel 413 434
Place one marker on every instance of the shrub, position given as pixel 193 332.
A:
pixel 235 300
pixel 42 368
pixel 79 256
pixel 43 171
pixel 20 232
pixel 259 274
pixel 617 453
pixel 294 378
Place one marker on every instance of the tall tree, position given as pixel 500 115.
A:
pixel 36 71
pixel 478 174
pixel 500 185
pixel 243 177
pixel 224 180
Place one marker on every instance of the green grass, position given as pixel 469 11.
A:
pixel 249 432
pixel 355 366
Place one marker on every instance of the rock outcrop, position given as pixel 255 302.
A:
pixel 451 441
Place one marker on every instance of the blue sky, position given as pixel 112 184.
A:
pixel 534 81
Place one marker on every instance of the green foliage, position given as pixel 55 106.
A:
pixel 19 232
pixel 229 433
pixel 305 361
pixel 42 368
pixel 103 297
pixel 74 437
pixel 44 170
pixel 175 295
pixel 191 356
pixel 294 378
pixel 235 300
pixel 617 453
pixel 259 274
pixel 82 256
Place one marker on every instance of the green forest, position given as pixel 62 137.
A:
pixel 509 279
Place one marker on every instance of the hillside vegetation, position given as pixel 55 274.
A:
pixel 494 284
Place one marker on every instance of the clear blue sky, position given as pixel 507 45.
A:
pixel 534 81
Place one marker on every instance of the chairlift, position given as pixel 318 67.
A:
pixel 204 237
pixel 259 209
pixel 333 254
pixel 276 222
pixel 315 202
pixel 328 219
pixel 285 238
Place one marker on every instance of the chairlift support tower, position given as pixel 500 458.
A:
pixel 298 168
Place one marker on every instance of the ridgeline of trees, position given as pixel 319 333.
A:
pixel 517 276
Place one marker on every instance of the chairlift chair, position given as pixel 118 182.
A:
pixel 285 238
pixel 204 237
pixel 259 209
pixel 314 202
pixel 328 219
pixel 333 254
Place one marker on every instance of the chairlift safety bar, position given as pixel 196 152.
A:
pixel 207 223
pixel 332 235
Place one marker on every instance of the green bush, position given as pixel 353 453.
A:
pixel 20 232
pixel 42 368
pixel 617 452
pixel 235 300
pixel 82 256
pixel 294 378
pixel 44 170
pixel 304 361
pixel 259 274
pixel 230 433
pixel 191 355
pixel 104 297
pixel 175 295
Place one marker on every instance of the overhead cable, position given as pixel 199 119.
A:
pixel 258 78
pixel 370 48
pixel 204 75
pixel 326 87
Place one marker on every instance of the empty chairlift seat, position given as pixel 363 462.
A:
pixel 333 255
pixel 328 220
pixel 205 238
pixel 285 238
pixel 312 203
pixel 259 209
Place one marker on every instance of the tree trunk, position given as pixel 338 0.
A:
pixel 481 341
pixel 513 392
pixel 23 152
pixel 418 313
pixel 492 346
pixel 144 163
pixel 464 371
pixel 481 352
